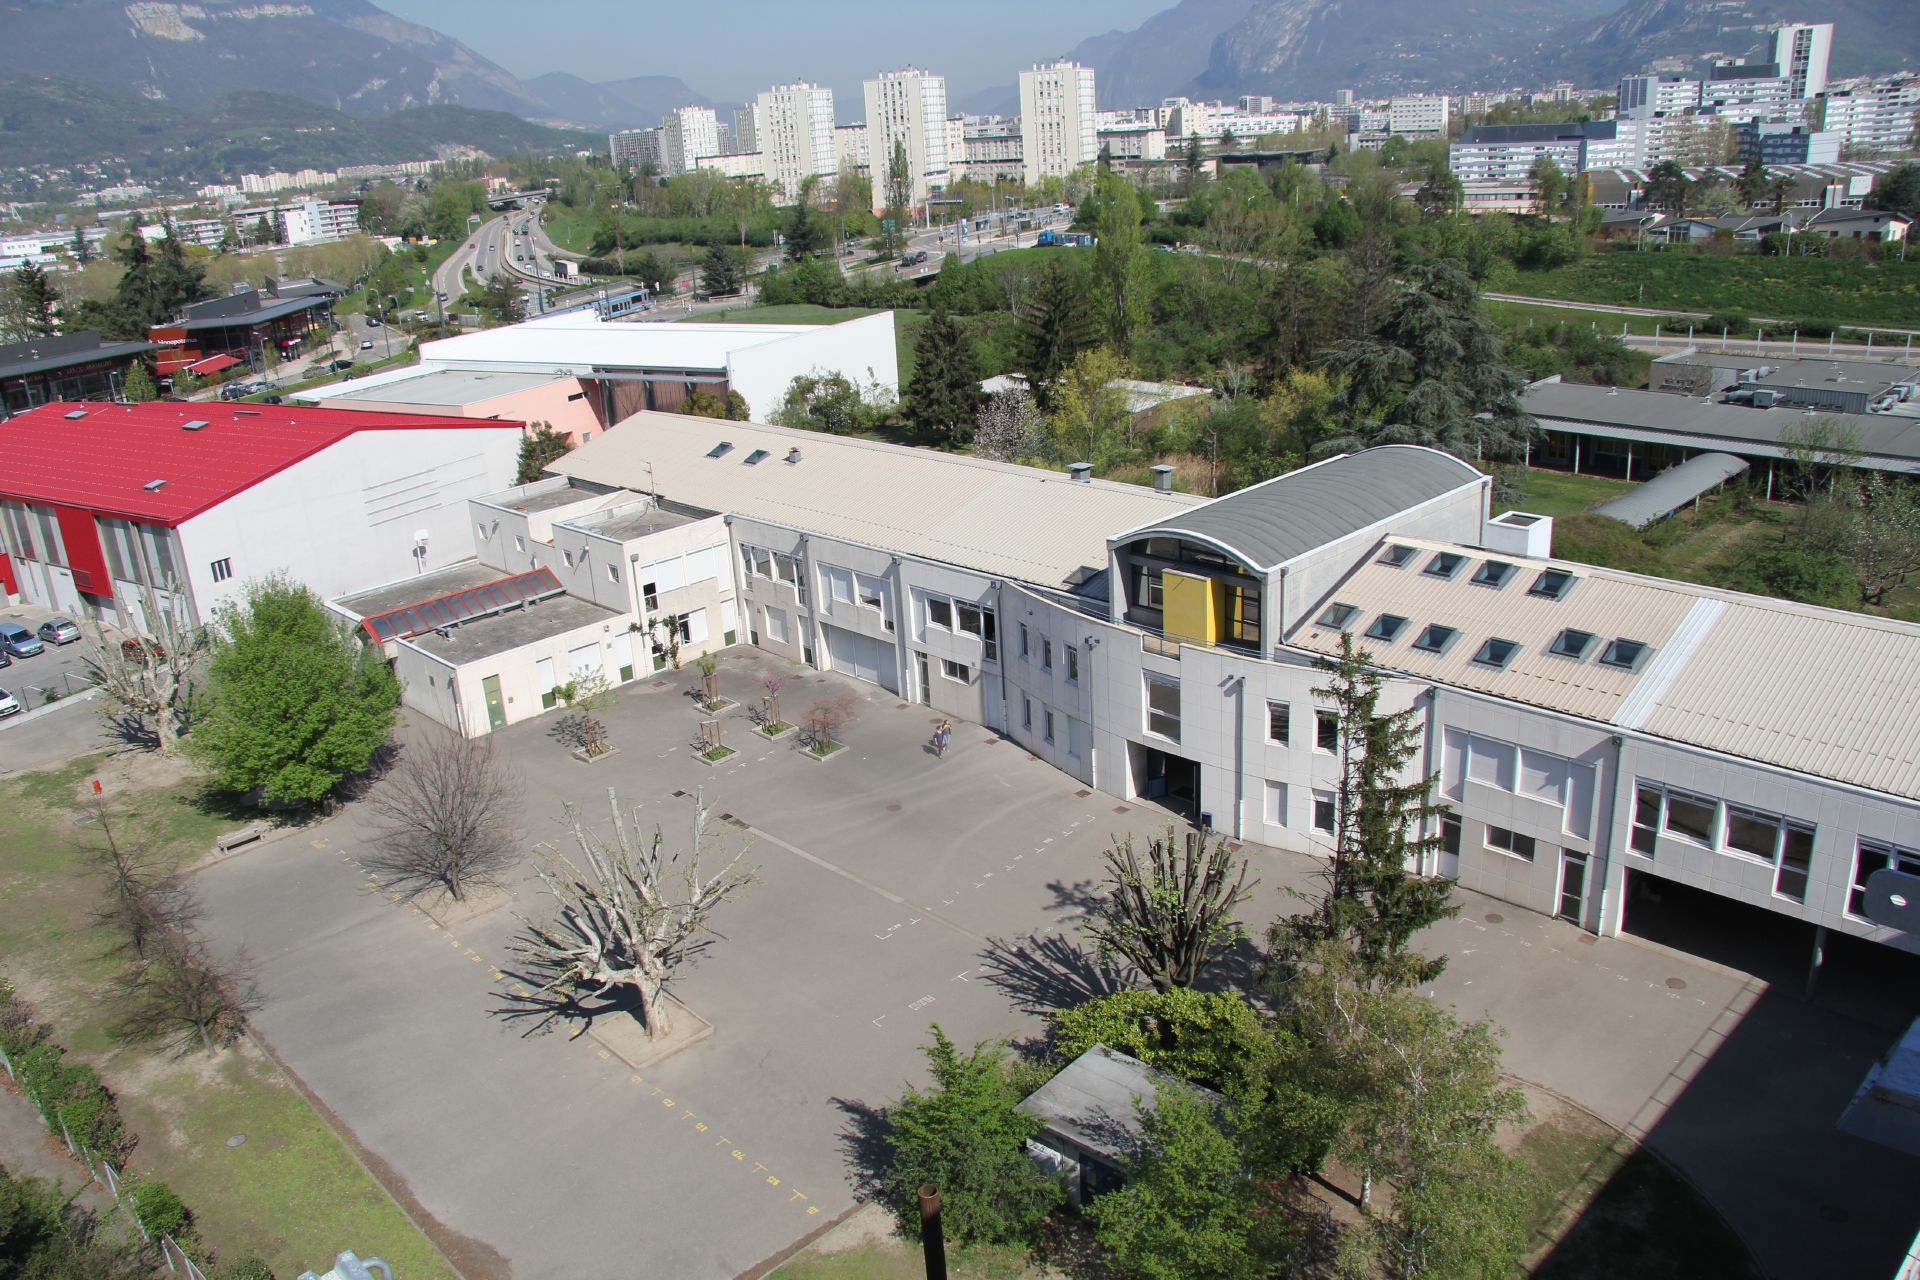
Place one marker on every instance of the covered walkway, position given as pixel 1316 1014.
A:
pixel 1672 489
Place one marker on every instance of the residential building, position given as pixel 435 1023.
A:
pixel 632 149
pixel 793 127
pixel 1737 91
pixel 619 368
pixel 1057 130
pixel 1418 116
pixel 106 508
pixel 746 130
pixel 1801 50
pixel 908 109
pixel 1642 97
pixel 67 366
pixel 850 142
pixel 1879 115
pixel 1778 142
pixel 1494 162
pixel 688 135
pixel 993 151
pixel 1134 142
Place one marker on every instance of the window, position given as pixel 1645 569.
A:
pixel 1872 856
pixel 1023 642
pixel 222 569
pixel 1691 816
pixel 1279 723
pixel 1444 565
pixel 1491 763
pixel 939 613
pixel 777 625
pixel 1396 556
pixel 1572 644
pixel 1520 846
pixel 1073 664
pixel 1026 712
pixel 1274 812
pixel 1163 705
pixel 519 545
pixel 956 670
pixel 650 594
pixel 989 636
pixel 1450 834
pixel 1047 720
pixel 568 557
pixel 613 573
pixel 1323 811
pixel 757 457
pixel 1796 862
pixel 1646 818
pixel 1553 584
pixel 1046 654
pixel 1386 628
pixel 1624 654
pixel 839 583
pixel 1492 573
pixel 1338 615
pixel 969 618
pixel 1497 653
pixel 1152 590
pixel 1326 730
pixel 1435 639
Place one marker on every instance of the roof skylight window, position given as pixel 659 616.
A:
pixel 721 450
pixel 1552 584
pixel 757 457
pixel 1624 654
pixel 1436 638
pixel 1492 573
pixel 1387 628
pixel 1445 565
pixel 1572 643
pixel 1337 615
pixel 1497 653
pixel 1396 556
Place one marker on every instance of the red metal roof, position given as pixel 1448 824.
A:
pixel 104 458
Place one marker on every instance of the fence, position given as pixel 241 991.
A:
pixel 101 1170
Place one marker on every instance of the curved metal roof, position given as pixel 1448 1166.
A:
pixel 1672 489
pixel 1286 517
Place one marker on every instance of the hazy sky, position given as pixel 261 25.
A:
pixel 731 49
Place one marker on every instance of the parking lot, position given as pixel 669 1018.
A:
pixel 899 889
pixel 58 669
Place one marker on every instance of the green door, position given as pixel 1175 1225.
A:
pixel 496 709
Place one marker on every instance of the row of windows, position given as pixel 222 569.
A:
pixel 1326 727
pixel 1048 725
pixel 1046 647
pixel 966 618
pixel 1323 817
pixel 1786 844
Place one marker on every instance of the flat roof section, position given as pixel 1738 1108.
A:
pixel 444 387
pixel 548 494
pixel 505 632
pixel 582 340
pixel 634 520
pixel 459 576
pixel 1872 376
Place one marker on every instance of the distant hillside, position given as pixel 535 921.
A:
pixel 49 122
pixel 1160 57
pixel 634 103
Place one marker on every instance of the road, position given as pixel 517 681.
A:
pixel 1607 308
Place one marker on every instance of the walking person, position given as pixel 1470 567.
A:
pixel 940 737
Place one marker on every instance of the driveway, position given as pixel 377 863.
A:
pixel 898 889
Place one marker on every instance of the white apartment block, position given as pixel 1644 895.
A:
pixel 1057 130
pixel 1801 50
pixel 1736 94
pixel 688 135
pixel 850 143
pixel 907 109
pixel 993 152
pixel 793 126
pixel 1643 97
pixel 1875 116
pixel 1418 116
pixel 632 148
pixel 1134 142
pixel 746 133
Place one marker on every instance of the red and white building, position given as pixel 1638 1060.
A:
pixel 102 503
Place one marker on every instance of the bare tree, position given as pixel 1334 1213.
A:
pixel 631 910
pixel 1819 448
pixel 150 676
pixel 826 718
pixel 1171 914
pixel 183 994
pixel 589 694
pixel 144 898
pixel 447 812
pixel 771 681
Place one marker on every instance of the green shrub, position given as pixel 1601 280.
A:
pixel 1801 573
pixel 1727 320
pixel 91 1117
pixel 1603 541
pixel 158 1208
pixel 247 1267
pixel 1211 1038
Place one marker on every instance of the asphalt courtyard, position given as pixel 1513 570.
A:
pixel 898 889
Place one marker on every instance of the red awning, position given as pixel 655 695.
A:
pixel 212 364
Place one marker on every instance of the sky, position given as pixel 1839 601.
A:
pixel 728 50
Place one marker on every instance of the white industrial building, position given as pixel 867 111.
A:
pixel 908 109
pixel 1058 132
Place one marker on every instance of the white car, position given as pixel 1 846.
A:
pixel 9 706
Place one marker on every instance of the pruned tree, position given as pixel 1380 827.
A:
pixel 183 994
pixel 590 694
pixel 149 676
pixel 826 718
pixel 1370 901
pixel 771 681
pixel 446 813
pixel 709 665
pixel 1170 914
pixel 631 909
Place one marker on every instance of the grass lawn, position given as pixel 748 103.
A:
pixel 1557 493
pixel 1833 290
pixel 292 1192
pixel 892 1259
pixel 569 228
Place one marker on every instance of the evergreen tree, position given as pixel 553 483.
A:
pixel 944 394
pixel 1666 187
pixel 806 229
pixel 139 388
pixel 1752 184
pixel 28 302
pixel 1120 261
pixel 1371 904
pixel 1056 325
pixel 1196 160
pixel 263 232
pixel 539 447
pixel 720 273
pixel 82 251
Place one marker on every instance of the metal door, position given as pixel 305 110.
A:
pixel 496 708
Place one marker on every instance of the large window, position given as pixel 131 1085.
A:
pixel 1326 731
pixel 839 583
pixel 1646 818
pixel 1163 705
pixel 1279 723
pixel 1872 856
pixel 1275 810
pixel 1513 842
pixel 940 612
pixel 1691 816
pixel 1324 815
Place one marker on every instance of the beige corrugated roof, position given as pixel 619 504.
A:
pixel 1821 691
pixel 1019 522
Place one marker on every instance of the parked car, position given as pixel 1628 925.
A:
pixel 59 631
pixel 366 344
pixel 19 642
pixel 373 322
pixel 273 400
pixel 5 661
pixel 341 365
pixel 234 391
pixel 9 706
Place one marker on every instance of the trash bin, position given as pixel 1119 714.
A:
pixel 1206 820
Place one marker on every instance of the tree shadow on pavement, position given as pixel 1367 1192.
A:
pixel 1048 972
pixel 864 1142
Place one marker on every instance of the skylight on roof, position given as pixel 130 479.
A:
pixel 1445 564
pixel 721 450
pixel 1552 584
pixel 154 486
pixel 71 414
pixel 1572 643
pixel 1436 638
pixel 194 424
pixel 1497 652
pixel 1624 654
pixel 755 458
pixel 1396 556
pixel 1337 615
pixel 1386 628
pixel 1492 573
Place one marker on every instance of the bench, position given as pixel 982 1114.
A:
pixel 239 839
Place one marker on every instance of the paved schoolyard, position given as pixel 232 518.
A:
pixel 898 889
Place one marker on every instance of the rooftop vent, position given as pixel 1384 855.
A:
pixel 1163 478
pixel 195 424
pixel 154 486
pixel 721 450
pixel 1081 471
pixel 71 414
pixel 793 456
